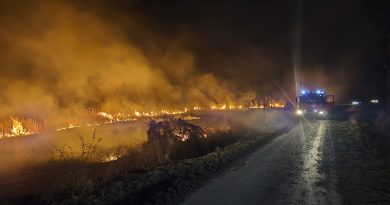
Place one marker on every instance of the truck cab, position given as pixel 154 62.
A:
pixel 316 103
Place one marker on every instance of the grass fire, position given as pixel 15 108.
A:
pixel 189 102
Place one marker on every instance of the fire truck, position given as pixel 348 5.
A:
pixel 314 103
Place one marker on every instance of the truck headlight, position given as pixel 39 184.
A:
pixel 299 112
pixel 321 112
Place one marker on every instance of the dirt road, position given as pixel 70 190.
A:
pixel 294 168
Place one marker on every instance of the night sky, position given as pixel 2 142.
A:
pixel 342 45
pixel 89 52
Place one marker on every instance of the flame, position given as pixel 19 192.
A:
pixel 196 108
pixel 106 115
pixel 17 127
pixel 190 117
pixel 71 126
pixel 222 107
pixel 276 104
pixel 227 107
pixel 158 113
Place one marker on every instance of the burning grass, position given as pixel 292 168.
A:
pixel 18 127
pixel 27 125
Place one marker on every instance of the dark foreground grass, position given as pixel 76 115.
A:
pixel 362 164
pixel 169 183
pixel 135 178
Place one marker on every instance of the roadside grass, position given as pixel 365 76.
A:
pixel 169 183
pixel 362 164
pixel 137 176
pixel 366 183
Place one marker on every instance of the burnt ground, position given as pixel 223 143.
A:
pixel 317 162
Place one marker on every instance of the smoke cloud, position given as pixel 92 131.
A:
pixel 66 56
pixel 62 58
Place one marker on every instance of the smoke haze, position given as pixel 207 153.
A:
pixel 66 56
pixel 62 58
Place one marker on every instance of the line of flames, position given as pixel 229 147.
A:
pixel 19 129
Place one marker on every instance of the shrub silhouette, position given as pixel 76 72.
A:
pixel 174 139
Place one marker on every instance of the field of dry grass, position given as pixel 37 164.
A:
pixel 86 176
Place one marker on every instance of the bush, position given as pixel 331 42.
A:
pixel 173 139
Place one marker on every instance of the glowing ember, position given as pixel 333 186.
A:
pixel 110 158
pixel 182 137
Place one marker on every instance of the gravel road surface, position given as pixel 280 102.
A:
pixel 294 168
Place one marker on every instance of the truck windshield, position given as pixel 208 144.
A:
pixel 312 99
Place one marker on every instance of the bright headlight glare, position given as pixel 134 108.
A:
pixel 299 112
pixel 374 101
pixel 321 112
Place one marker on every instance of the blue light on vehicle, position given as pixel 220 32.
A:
pixel 303 92
pixel 318 91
